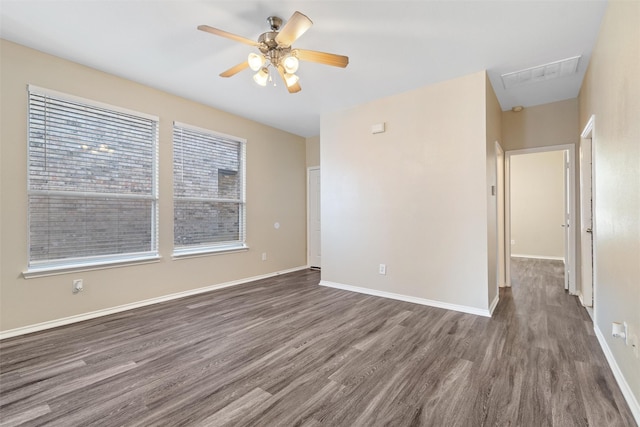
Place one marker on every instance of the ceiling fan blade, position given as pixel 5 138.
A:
pixel 322 57
pixel 296 26
pixel 235 69
pixel 294 88
pixel 221 33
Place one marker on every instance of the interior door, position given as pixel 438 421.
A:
pixel 313 224
pixel 586 221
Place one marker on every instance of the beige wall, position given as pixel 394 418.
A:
pixel 275 192
pixel 313 151
pixel 494 134
pixel 537 204
pixel 413 198
pixel 541 126
pixel 611 91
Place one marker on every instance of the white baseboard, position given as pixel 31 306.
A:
pixel 589 309
pixel 632 400
pixel 554 258
pixel 112 310
pixel 494 303
pixel 407 298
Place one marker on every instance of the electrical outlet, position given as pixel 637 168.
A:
pixel 264 256
pixel 78 286
pixel 619 330
pixel 513 242
pixel 382 269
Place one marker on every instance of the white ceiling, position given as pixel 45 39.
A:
pixel 393 46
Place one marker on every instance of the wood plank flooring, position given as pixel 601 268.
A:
pixel 287 352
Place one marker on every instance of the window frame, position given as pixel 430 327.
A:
pixel 220 247
pixel 37 268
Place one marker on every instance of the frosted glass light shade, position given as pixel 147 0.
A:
pixel 261 77
pixel 255 61
pixel 291 64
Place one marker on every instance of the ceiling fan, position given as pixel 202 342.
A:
pixel 276 51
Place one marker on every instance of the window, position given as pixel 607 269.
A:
pixel 92 185
pixel 209 191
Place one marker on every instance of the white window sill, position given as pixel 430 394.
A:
pixel 72 268
pixel 200 252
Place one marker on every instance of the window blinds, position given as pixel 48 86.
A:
pixel 209 192
pixel 92 182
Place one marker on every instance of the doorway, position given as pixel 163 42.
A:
pixel 565 221
pixel 313 218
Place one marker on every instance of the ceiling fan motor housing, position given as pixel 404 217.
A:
pixel 267 41
pixel 271 49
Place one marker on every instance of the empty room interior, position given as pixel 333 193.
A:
pixel 274 213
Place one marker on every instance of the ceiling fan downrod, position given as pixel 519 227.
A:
pixel 274 22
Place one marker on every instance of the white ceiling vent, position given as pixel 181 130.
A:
pixel 541 73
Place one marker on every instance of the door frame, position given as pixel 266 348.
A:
pixel 589 133
pixel 309 169
pixel 500 216
pixel 571 252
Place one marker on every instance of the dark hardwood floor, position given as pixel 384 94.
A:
pixel 287 352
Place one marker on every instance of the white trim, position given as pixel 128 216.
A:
pixel 54 270
pixel 589 133
pixel 79 100
pixel 125 307
pixel 309 169
pixel 507 220
pixel 555 258
pixel 589 309
pixel 494 303
pixel 209 131
pixel 591 313
pixel 571 148
pixel 500 210
pixel 407 298
pixel 632 401
pixel 206 251
pixel 588 129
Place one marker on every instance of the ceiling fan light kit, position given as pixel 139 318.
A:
pixel 261 76
pixel 291 64
pixel 276 51
pixel 255 61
